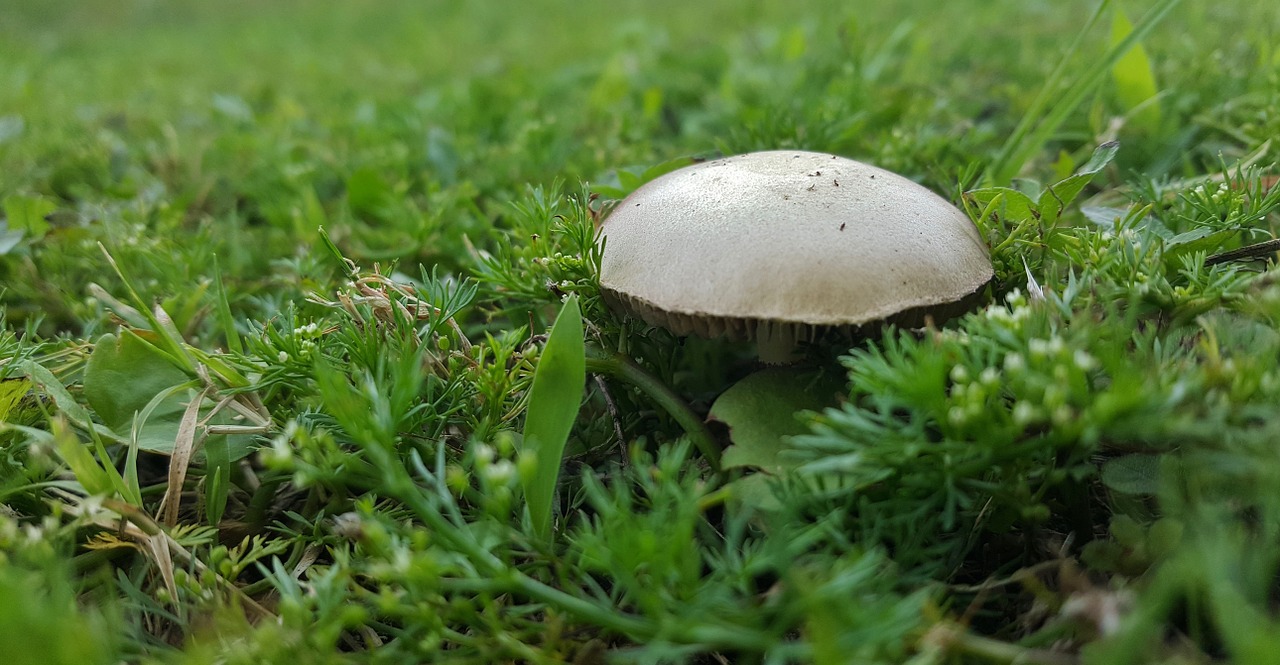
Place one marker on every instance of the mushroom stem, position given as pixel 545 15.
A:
pixel 775 344
pixel 618 366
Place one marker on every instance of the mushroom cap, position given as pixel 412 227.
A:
pixel 783 243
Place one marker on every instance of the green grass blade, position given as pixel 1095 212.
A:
pixel 170 340
pixel 225 320
pixel 92 476
pixel 1135 82
pixel 554 400
pixel 999 166
pixel 1036 126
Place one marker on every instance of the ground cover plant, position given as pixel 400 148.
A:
pixel 303 355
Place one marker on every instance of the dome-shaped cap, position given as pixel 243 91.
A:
pixel 781 242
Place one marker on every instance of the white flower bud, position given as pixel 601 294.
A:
pixel 500 472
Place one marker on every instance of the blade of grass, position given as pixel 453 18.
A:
pixel 92 477
pixel 67 405
pixel 995 172
pixel 1135 83
pixel 554 400
pixel 172 343
pixel 1052 106
pixel 224 311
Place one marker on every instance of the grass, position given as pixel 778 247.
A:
pixel 278 292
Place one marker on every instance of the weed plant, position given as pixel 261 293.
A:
pixel 303 356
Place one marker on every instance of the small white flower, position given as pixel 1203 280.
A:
pixel 500 472
pixel 1083 360
pixel 998 313
pixel 283 356
pixel 1024 414
pixel 280 452
pixel 1062 415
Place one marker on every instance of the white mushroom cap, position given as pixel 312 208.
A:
pixel 782 243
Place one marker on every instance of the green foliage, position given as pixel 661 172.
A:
pixel 279 418
pixel 554 399
pixel 1135 83
pixel 123 377
pixel 26 214
pixel 1066 88
pixel 41 617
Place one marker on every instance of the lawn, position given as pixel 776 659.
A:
pixel 304 358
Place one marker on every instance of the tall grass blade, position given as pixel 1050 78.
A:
pixel 223 308
pixel 1052 106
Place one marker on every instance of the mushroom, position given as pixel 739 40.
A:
pixel 779 246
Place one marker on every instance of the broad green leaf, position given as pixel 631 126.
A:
pixel 27 213
pixel 1059 195
pixel 122 377
pixel 760 412
pixel 1196 240
pixel 1029 186
pixel 1133 474
pixel 1132 74
pixel 1195 236
pixel 1016 205
pixel 628 180
pixel 756 490
pixel 129 382
pixel 11 393
pixel 554 400
pixel 1104 217
pixel 632 178
pixel 658 170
